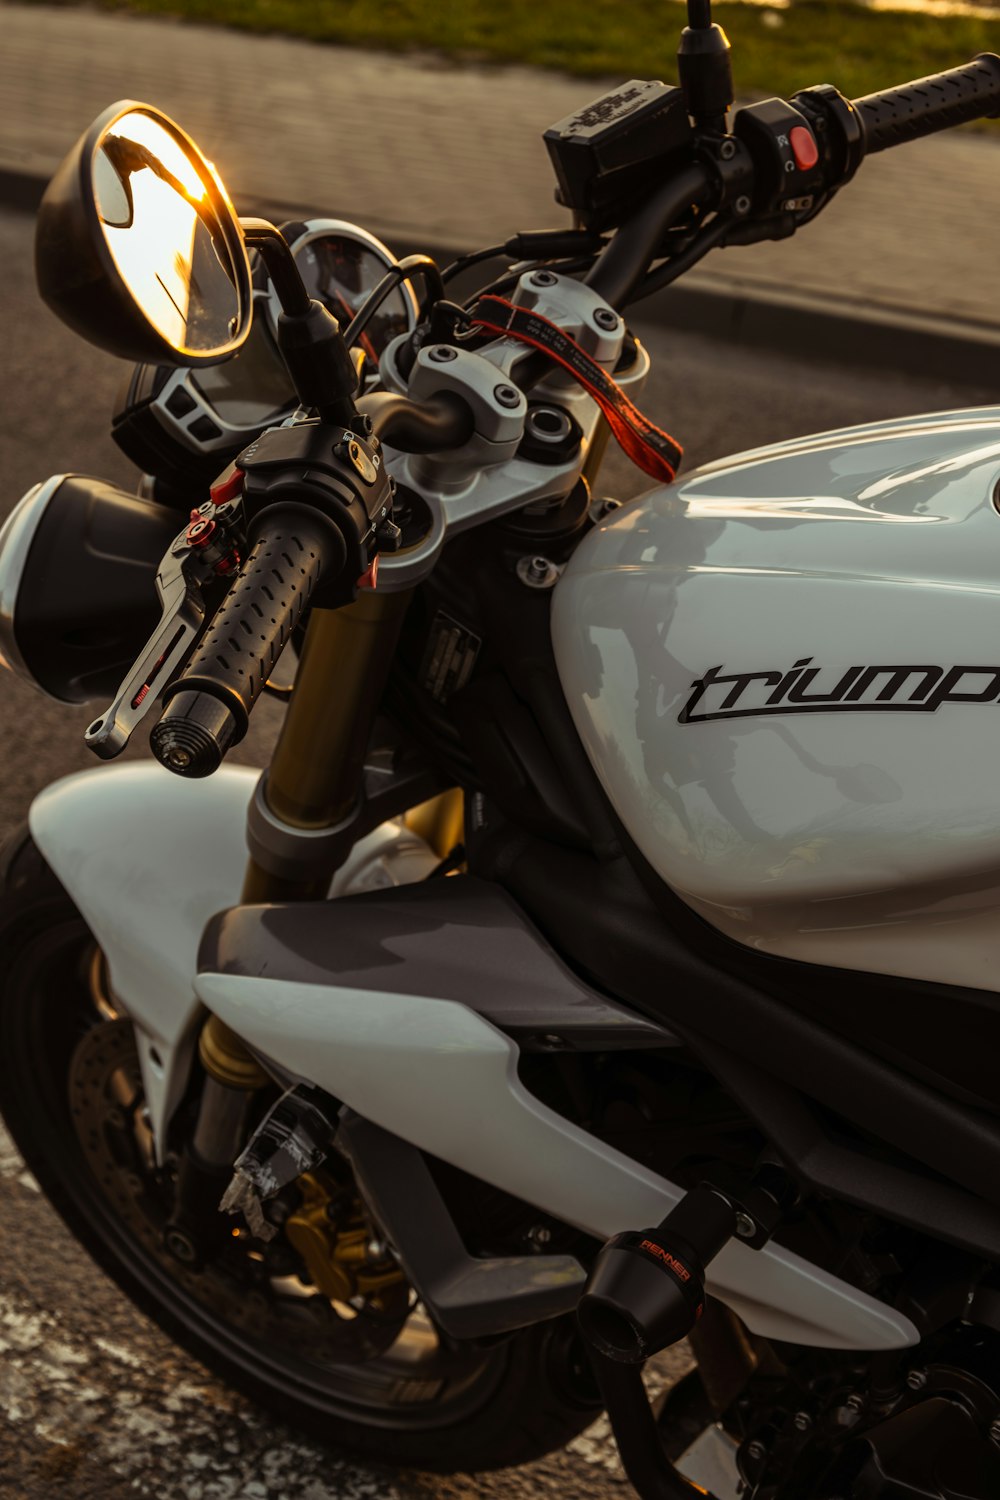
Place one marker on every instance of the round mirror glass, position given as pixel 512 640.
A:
pixel 171 234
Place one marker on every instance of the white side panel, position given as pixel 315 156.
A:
pixel 442 1077
pixel 148 858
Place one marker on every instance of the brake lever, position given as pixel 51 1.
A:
pixel 208 548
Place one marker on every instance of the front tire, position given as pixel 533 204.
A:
pixel 428 1404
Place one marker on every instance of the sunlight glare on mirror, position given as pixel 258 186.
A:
pixel 163 234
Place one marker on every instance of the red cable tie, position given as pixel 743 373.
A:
pixel 648 446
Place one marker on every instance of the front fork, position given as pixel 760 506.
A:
pixel 313 784
pixel 305 805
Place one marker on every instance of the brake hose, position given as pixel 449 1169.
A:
pixel 706 239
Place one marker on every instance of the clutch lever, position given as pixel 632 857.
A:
pixel 209 548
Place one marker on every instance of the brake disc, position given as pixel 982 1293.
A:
pixel 265 1292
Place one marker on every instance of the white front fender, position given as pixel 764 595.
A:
pixel 148 858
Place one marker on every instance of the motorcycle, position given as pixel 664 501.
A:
pixel 569 908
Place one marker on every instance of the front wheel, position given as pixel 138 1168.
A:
pixel 71 1094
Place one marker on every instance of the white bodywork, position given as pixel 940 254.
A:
pixel 442 1077
pixel 148 858
pixel 866 835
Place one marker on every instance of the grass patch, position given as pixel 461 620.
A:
pixel 774 52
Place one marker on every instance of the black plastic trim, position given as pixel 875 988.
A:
pixel 470 1297
pixel 460 939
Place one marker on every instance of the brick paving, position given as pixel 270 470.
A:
pixel 417 148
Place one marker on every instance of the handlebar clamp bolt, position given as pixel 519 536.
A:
pixel 606 319
pixel 727 150
pixel 742 204
pixel 544 278
pixel 442 353
pixel 508 396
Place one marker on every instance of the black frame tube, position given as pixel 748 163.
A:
pixel 649 1470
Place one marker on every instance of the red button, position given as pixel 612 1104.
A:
pixel 804 147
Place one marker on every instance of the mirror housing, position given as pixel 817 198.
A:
pixel 138 247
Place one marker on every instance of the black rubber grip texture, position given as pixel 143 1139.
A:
pixel 239 650
pixel 912 110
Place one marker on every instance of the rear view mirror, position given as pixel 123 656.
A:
pixel 138 247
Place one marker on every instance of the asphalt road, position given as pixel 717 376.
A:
pixel 94 1401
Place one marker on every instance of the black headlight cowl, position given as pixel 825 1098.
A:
pixel 78 600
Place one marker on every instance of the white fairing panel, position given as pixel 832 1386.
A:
pixel 148 858
pixel 442 1077
pixel 786 671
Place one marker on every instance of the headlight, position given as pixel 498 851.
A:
pixel 78 562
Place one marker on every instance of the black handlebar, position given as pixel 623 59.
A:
pixel 623 263
pixel 848 132
pixel 912 110
pixel 208 706
pixel 419 426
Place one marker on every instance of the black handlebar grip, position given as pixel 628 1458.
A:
pixel 208 706
pixel 912 110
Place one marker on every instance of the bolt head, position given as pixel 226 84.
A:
pixel 606 318
pixel 742 204
pixel 756 1449
pixel 727 150
pixel 995 1431
pixel 802 1421
pixel 745 1226
pixel 180 1247
pixel 916 1380
pixel 543 278
pixel 442 353
pixel 539 573
pixel 507 396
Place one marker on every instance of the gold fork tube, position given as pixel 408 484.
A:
pixel 315 772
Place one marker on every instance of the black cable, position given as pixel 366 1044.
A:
pixel 412 265
pixel 533 246
pixel 464 262
pixel 706 239
pixel 508 282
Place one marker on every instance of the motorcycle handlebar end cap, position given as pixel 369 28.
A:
pixel 193 735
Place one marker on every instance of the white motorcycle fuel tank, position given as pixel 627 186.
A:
pixel 785 668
